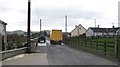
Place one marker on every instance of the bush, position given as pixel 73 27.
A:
pixel 10 46
pixel 19 45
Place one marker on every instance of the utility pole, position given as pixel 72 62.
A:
pixel 66 23
pixel 40 25
pixel 28 29
pixel 113 23
pixel 95 23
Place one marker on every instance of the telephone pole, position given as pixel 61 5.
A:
pixel 40 25
pixel 95 23
pixel 66 23
pixel 28 28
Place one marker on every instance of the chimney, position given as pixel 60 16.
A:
pixel 113 26
pixel 75 26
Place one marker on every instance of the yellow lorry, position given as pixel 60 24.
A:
pixel 56 37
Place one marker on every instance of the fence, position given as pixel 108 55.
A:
pixel 101 45
pixel 119 48
pixel 0 42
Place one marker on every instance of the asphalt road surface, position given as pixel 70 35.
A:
pixel 48 54
pixel 64 55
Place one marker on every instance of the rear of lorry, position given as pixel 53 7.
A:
pixel 56 37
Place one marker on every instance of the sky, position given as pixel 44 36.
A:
pixel 53 12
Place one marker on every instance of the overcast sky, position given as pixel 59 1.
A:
pixel 52 13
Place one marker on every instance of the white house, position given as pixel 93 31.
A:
pixel 118 32
pixel 101 31
pixel 3 38
pixel 79 30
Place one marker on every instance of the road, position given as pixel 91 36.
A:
pixel 48 54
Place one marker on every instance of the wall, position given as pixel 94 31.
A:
pixel 98 34
pixel 118 32
pixel 79 30
pixel 89 33
pixel 10 53
pixel 2 30
pixel 74 32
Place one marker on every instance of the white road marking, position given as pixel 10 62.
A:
pixel 15 57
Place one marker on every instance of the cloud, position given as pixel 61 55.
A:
pixel 52 13
pixel 55 17
pixel 72 12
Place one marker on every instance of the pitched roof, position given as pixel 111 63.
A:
pixel 104 29
pixel 78 26
pixel 2 22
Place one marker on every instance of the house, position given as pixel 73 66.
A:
pixel 3 37
pixel 79 30
pixel 66 34
pixel 118 32
pixel 101 31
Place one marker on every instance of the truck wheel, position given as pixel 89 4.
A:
pixel 44 42
pixel 59 43
pixel 51 42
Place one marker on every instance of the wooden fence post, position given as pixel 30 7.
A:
pixel 91 44
pixel 105 47
pixel 81 42
pixel 97 45
pixel 118 50
pixel 86 43
pixel 0 42
pixel 116 47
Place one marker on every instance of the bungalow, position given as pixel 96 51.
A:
pixel 101 31
pixel 118 32
pixel 79 30
pixel 66 34
pixel 3 38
